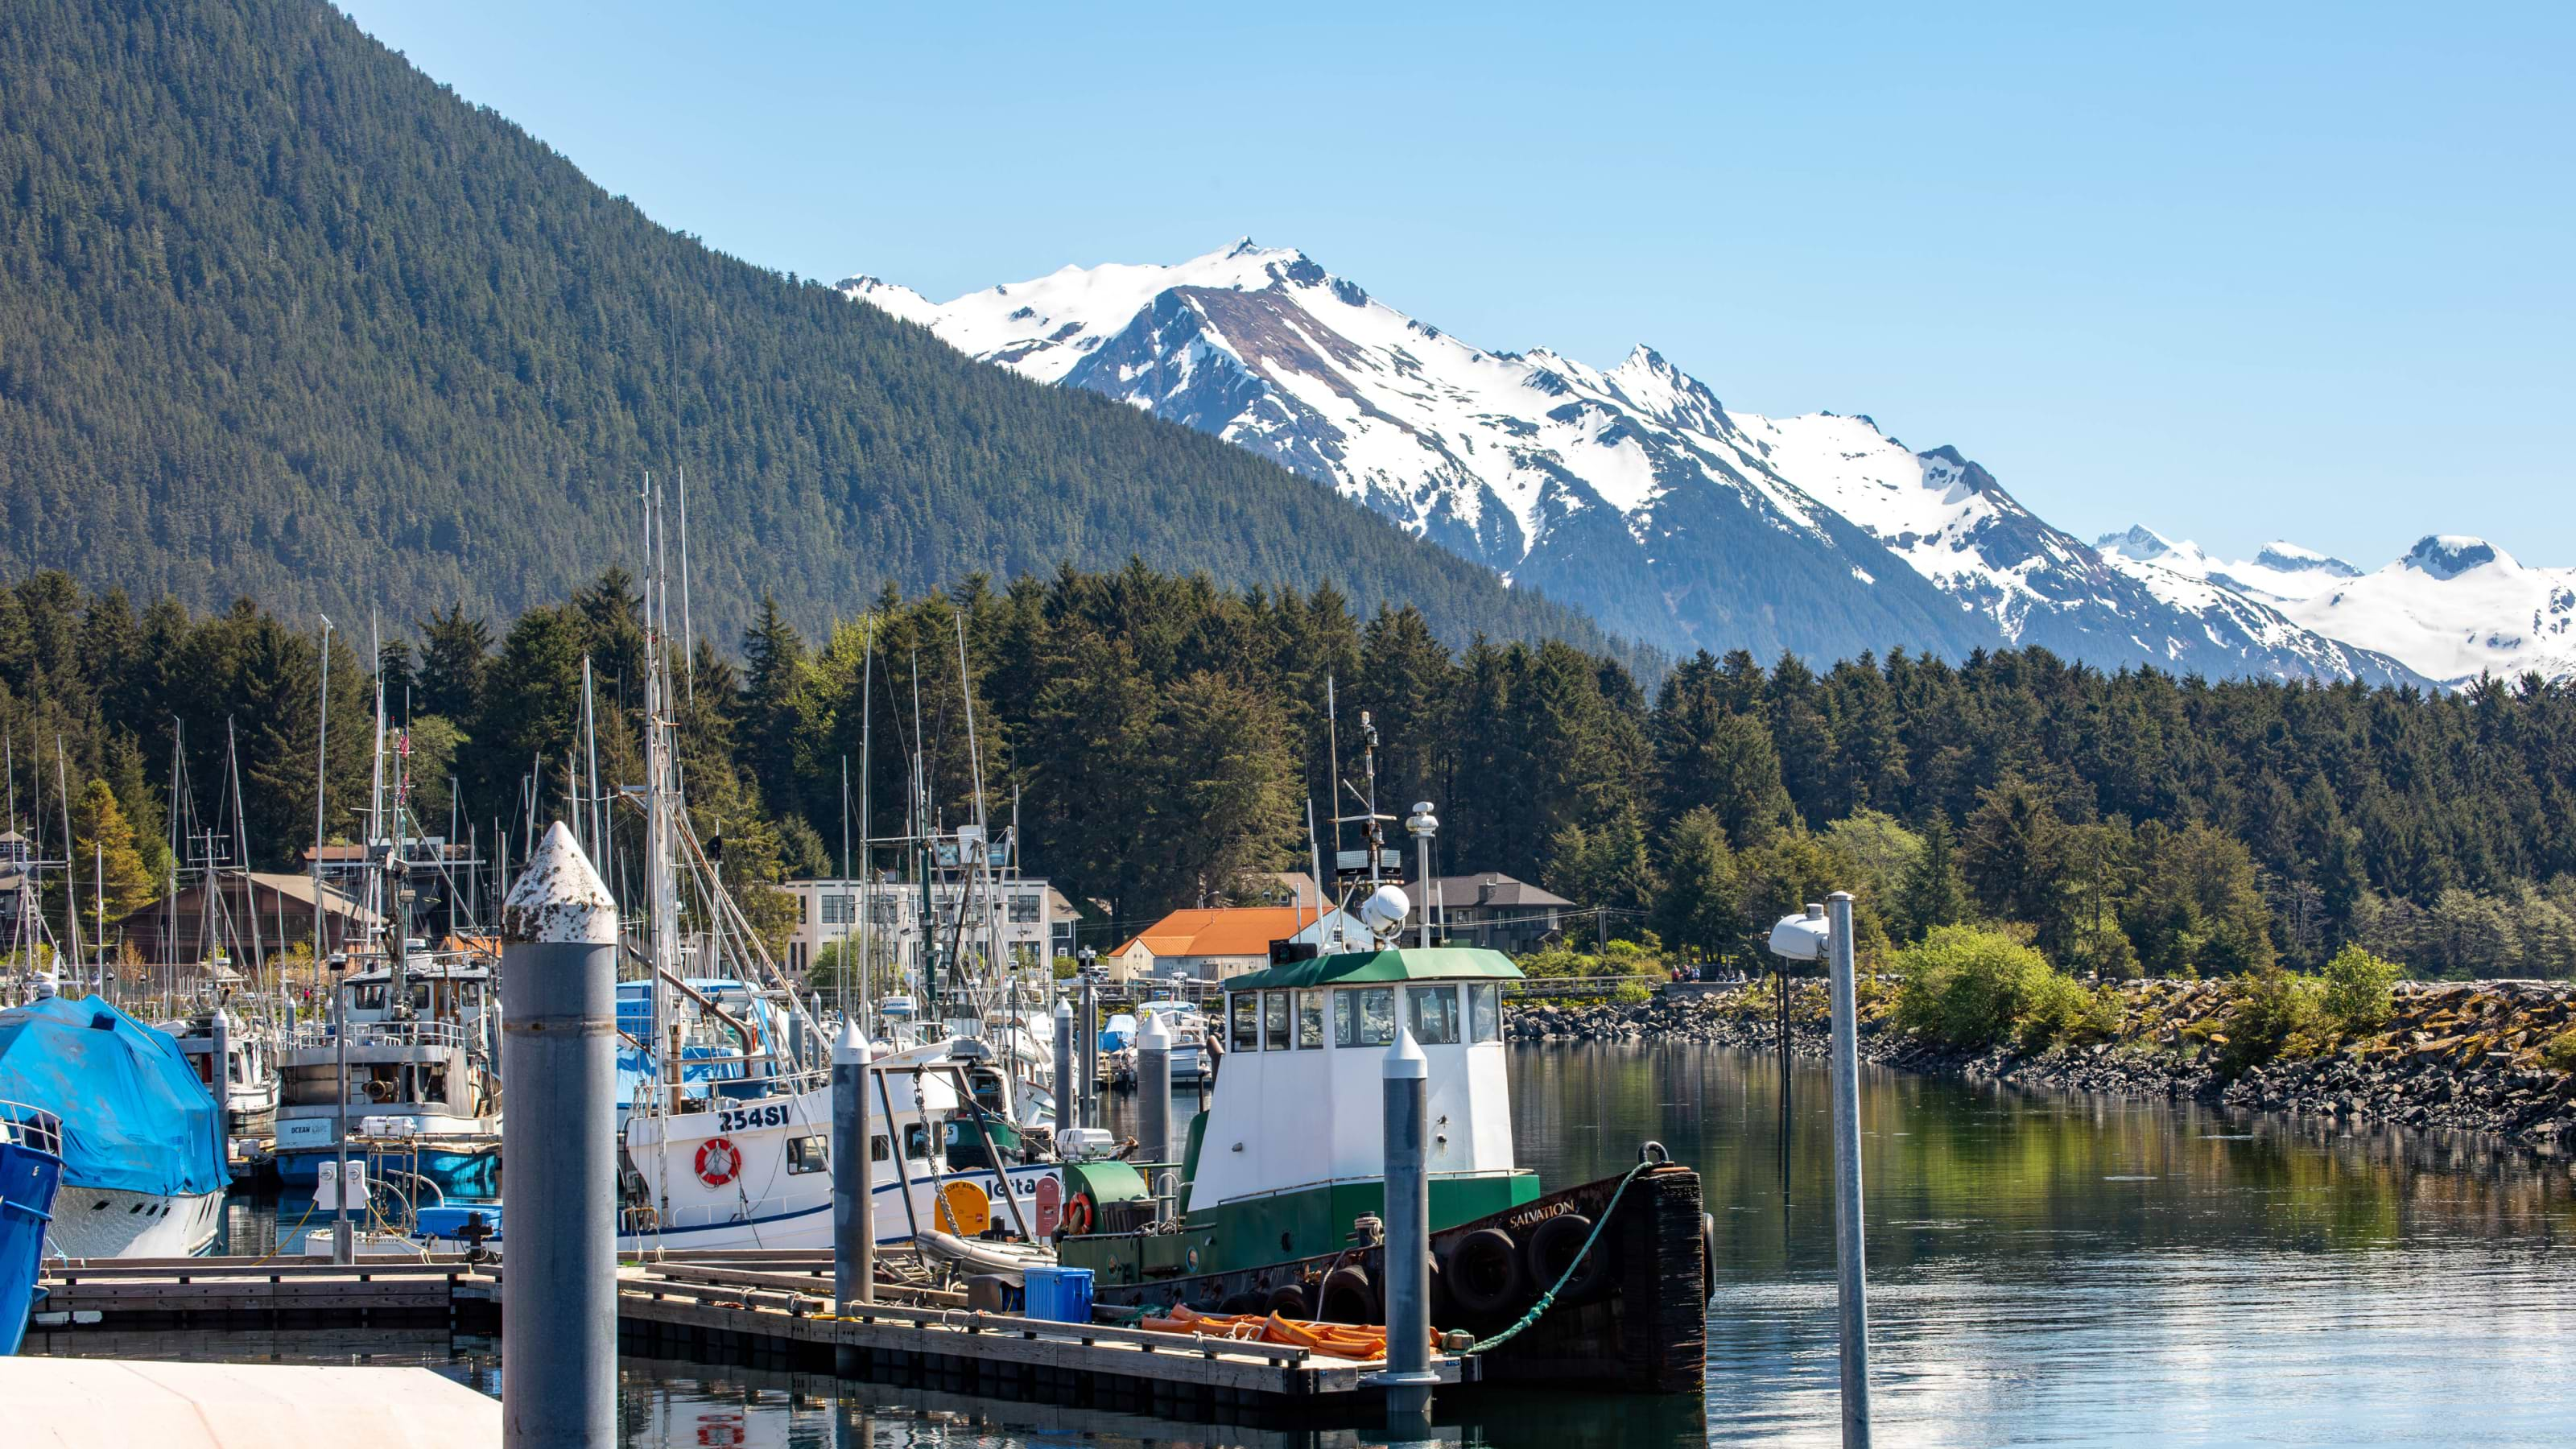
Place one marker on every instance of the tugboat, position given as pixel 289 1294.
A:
pixel 1281 1186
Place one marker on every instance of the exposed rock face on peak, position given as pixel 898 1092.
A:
pixel 1632 492
pixel 2449 555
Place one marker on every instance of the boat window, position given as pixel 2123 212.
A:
pixel 1274 1021
pixel 1244 1008
pixel 808 1154
pixel 1365 1017
pixel 879 1149
pixel 1485 1011
pixel 916 1140
pixel 1435 1014
pixel 1310 1020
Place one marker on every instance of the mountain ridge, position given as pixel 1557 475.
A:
pixel 1632 492
pixel 282 316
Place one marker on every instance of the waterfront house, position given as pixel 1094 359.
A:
pixel 1493 910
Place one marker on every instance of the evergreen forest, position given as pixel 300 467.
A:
pixel 281 317
pixel 1159 738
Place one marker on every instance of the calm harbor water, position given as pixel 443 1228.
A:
pixel 2043 1270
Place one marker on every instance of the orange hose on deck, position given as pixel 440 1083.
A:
pixel 1357 1341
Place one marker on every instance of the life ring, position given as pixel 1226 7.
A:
pixel 719 1162
pixel 1347 1297
pixel 1553 1246
pixel 1078 1215
pixel 1484 1271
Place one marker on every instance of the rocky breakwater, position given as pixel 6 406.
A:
pixel 2475 1057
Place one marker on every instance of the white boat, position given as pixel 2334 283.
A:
pixel 143 1169
pixel 422 1100
pixel 250 1068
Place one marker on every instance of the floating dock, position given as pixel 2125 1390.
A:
pixel 770 1310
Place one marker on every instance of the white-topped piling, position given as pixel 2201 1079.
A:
pixel 559 1244
pixel 854 1227
pixel 1406 1080
pixel 1154 1091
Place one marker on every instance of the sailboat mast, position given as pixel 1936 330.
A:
pixel 660 868
pixel 241 842
pixel 867 882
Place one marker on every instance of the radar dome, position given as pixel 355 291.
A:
pixel 1385 909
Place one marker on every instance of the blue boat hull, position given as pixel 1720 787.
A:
pixel 28 1179
pixel 472 1172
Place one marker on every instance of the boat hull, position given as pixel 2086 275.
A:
pixel 455 1171
pixel 95 1222
pixel 1643 1327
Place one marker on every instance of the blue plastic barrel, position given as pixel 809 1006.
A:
pixel 1059 1295
pixel 28 1178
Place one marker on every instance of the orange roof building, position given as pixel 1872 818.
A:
pixel 1214 944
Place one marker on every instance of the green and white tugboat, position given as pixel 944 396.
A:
pixel 1276 1204
pixel 1280 1189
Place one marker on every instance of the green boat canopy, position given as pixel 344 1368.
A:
pixel 1361 968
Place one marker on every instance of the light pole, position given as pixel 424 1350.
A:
pixel 1424 825
pixel 1825 933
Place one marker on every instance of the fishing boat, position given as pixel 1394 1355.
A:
pixel 1281 1185
pixel 422 1096
pixel 727 1135
pixel 31 1173
pixel 249 1072
pixel 143 1172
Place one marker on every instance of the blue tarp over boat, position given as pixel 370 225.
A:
pixel 134 1115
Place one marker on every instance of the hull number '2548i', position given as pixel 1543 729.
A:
pixel 745 1118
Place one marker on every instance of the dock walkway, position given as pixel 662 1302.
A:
pixel 762 1309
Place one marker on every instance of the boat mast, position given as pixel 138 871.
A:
pixel 867 872
pixel 660 868
pixel 241 838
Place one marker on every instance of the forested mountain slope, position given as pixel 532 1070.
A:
pixel 280 316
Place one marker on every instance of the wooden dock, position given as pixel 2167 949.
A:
pixel 769 1310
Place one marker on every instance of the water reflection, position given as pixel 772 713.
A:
pixel 2044 1270
pixel 2056 1269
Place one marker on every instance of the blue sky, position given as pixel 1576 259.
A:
pixel 2235 272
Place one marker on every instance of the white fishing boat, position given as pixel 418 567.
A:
pixel 249 1073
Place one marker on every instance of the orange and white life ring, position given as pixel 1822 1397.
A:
pixel 719 1162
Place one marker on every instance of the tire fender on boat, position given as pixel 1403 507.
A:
pixel 1483 1272
pixel 1347 1296
pixel 1289 1300
pixel 1553 1245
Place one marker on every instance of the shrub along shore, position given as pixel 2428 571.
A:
pixel 2491 1057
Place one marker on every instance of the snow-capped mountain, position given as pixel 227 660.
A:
pixel 2453 608
pixel 1633 493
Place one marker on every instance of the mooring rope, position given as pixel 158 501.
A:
pixel 1549 1297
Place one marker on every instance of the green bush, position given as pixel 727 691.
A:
pixel 2561 1051
pixel 2356 993
pixel 1972 986
pixel 2276 1014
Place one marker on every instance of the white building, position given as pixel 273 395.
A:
pixel 1036 921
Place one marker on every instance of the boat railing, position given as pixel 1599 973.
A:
pixel 31 1126
pixel 382 1033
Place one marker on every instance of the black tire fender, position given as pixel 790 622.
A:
pixel 1289 1300
pixel 1347 1296
pixel 1553 1244
pixel 1483 1272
